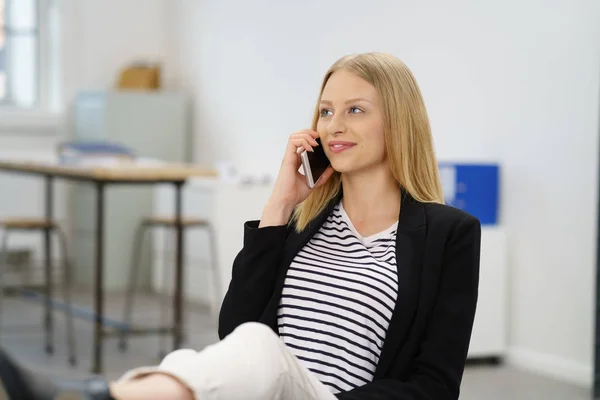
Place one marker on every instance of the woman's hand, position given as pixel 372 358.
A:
pixel 290 187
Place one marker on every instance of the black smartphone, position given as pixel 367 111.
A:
pixel 314 164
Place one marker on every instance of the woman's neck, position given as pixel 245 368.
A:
pixel 371 200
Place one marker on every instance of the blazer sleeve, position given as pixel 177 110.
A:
pixel 437 370
pixel 253 276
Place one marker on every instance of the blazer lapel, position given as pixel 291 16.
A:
pixel 410 240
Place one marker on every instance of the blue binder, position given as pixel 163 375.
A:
pixel 473 188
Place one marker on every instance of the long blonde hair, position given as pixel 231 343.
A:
pixel 408 140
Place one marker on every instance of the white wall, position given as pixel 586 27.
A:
pixel 549 131
pixel 256 71
pixel 513 81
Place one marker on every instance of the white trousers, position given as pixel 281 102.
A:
pixel 251 363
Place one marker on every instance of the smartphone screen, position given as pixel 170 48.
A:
pixel 318 161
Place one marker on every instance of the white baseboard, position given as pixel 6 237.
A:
pixel 550 365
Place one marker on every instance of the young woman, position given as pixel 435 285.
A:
pixel 364 287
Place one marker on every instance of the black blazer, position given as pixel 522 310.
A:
pixel 425 349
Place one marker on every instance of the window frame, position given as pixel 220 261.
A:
pixel 43 117
pixel 36 32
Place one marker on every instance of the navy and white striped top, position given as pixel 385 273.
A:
pixel 337 302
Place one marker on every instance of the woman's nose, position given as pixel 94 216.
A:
pixel 336 126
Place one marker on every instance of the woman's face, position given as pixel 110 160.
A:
pixel 350 124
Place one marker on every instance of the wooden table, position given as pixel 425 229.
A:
pixel 100 177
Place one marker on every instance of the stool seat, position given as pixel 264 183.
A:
pixel 171 222
pixel 27 223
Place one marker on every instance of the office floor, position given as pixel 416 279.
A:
pixel 22 336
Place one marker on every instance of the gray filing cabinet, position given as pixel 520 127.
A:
pixel 156 125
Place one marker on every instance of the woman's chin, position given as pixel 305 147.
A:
pixel 343 167
pixel 348 167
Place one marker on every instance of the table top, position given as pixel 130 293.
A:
pixel 124 171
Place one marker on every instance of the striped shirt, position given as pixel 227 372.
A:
pixel 337 301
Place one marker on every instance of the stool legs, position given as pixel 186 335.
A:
pixel 133 279
pixel 66 290
pixel 67 285
pixel 163 300
pixel 132 282
pixel 216 274
pixel 3 264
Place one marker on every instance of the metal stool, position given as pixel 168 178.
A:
pixel 41 224
pixel 167 223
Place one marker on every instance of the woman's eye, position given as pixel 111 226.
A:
pixel 355 110
pixel 325 113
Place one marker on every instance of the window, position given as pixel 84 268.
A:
pixel 20 53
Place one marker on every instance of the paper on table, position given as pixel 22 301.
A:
pixel 112 162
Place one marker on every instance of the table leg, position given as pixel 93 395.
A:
pixel 178 298
pixel 49 211
pixel 99 280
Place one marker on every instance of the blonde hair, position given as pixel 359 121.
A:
pixel 408 140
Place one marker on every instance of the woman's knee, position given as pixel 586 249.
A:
pixel 255 331
pixel 259 342
pixel 178 357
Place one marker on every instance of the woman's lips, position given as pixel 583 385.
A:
pixel 338 147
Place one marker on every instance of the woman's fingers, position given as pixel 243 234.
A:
pixel 303 143
pixel 299 141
